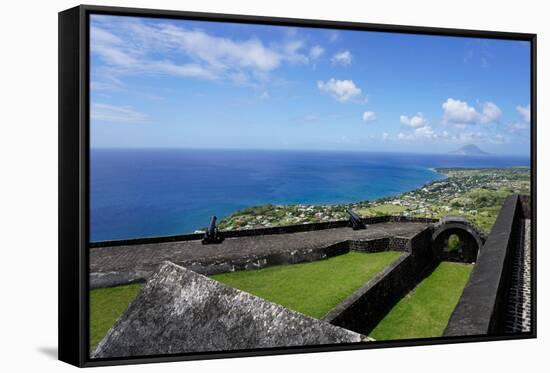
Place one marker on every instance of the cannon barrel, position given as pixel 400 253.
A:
pixel 212 226
pixel 212 235
pixel 355 220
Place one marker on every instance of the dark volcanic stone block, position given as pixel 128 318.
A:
pixel 481 308
pixel 181 311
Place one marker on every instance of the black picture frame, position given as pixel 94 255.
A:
pixel 74 85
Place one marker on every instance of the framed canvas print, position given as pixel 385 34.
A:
pixel 235 186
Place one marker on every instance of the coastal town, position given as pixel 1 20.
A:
pixel 474 193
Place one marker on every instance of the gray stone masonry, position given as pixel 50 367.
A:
pixel 367 306
pixel 497 297
pixel 115 265
pixel 180 311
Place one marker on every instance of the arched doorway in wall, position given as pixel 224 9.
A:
pixel 454 244
pixel 456 239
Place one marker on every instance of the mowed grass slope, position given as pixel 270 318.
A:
pixel 425 312
pixel 311 288
pixel 106 306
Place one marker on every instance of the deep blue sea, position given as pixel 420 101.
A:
pixel 141 193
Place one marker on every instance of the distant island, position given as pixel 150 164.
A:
pixel 470 149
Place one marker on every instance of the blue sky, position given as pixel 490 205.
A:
pixel 159 83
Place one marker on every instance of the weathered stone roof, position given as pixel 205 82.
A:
pixel 181 311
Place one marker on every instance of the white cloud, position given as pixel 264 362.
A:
pixel 100 36
pixel 369 116
pixel 316 52
pixel 222 53
pixel 132 47
pixel 385 136
pixel 525 112
pixel 341 90
pixel 425 132
pixel 421 129
pixel 517 127
pixel 165 67
pixel 468 137
pixel 417 127
pixel 415 121
pixel 479 138
pixel 104 86
pixel 264 95
pixel 456 111
pixel 460 113
pixel 342 58
pixel 524 125
pixel 127 58
pixel 112 113
pixel 292 52
pixel 489 112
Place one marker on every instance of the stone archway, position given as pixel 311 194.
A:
pixel 471 239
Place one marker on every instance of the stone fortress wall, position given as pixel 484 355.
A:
pixel 496 299
pixel 366 307
pixel 263 231
pixel 114 263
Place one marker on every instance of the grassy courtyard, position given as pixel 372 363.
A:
pixel 425 311
pixel 311 288
pixel 106 305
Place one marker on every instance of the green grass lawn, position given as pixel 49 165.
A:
pixel 425 311
pixel 311 288
pixel 106 305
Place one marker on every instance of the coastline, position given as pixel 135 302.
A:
pixel 338 208
pixel 157 193
pixel 475 193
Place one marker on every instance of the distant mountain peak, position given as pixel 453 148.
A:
pixel 469 149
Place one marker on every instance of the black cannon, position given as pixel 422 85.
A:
pixel 212 235
pixel 355 220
